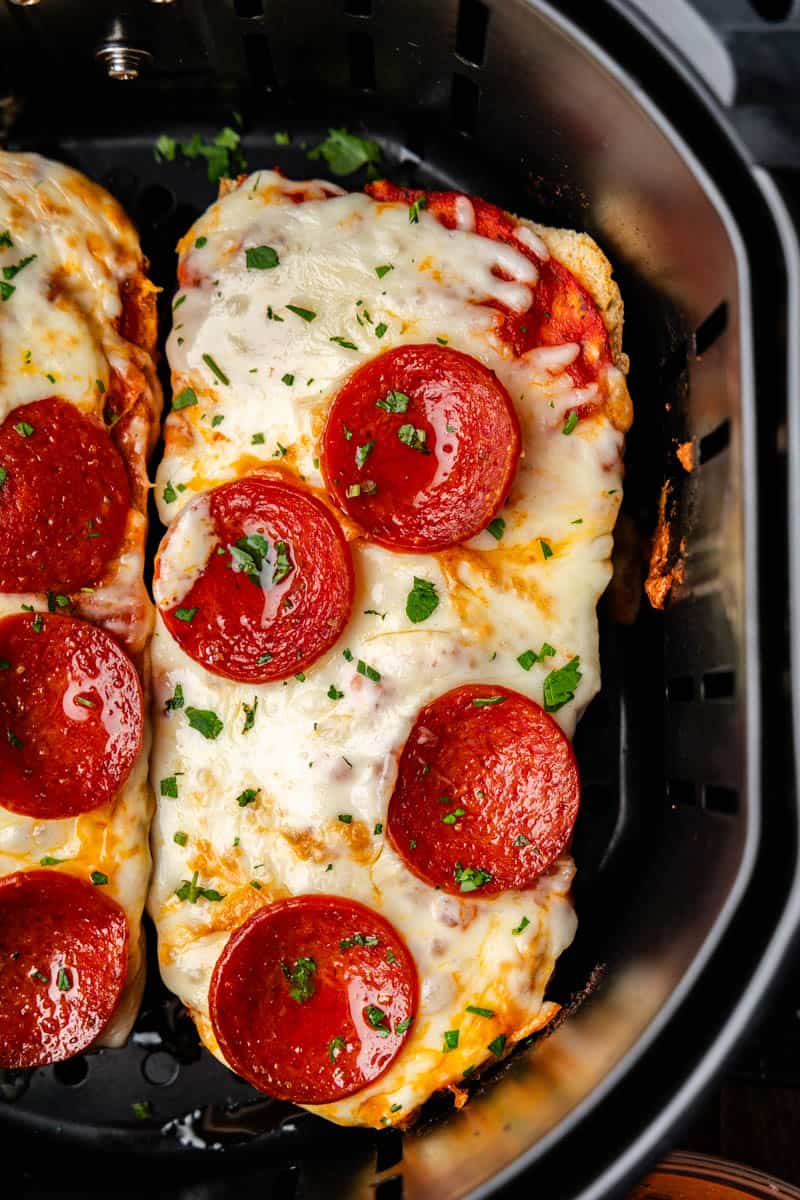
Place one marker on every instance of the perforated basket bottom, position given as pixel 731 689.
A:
pixel 191 1101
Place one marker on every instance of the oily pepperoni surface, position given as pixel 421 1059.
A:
pixel 71 715
pixel 63 960
pixel 64 499
pixel 562 310
pixel 420 447
pixel 486 794
pixel 352 1006
pixel 277 585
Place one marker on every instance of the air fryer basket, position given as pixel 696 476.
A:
pixel 687 839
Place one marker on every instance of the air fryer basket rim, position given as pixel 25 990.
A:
pixel 662 1027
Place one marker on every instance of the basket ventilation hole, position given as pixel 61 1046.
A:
pixel 772 10
pixel 712 329
pixel 680 689
pixel 248 9
pixel 473 23
pixel 715 442
pixel 259 61
pixel 720 799
pixel 362 61
pixel 682 791
pixel 464 102
pixel 389 1189
pixel 154 204
pixel 719 685
pixel 357 8
pixel 389 1150
pixel 73 1072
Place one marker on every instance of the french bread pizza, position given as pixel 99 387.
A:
pixel 79 414
pixel 392 469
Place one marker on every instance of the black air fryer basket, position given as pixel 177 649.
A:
pixel 581 115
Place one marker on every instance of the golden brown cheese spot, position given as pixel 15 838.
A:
pixel 685 456
pixel 618 403
pixel 666 568
pixel 305 845
pixel 357 836
pixel 504 569
pixel 238 905
pixel 210 864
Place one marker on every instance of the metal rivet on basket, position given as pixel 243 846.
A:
pixel 122 61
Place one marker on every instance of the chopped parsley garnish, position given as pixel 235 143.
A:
pixel 3 475
pixel 345 152
pixel 305 313
pixel 184 399
pixel 37 623
pixel 204 721
pixel 571 421
pixel 300 677
pixel 413 438
pixel 442 341
pixel 363 452
pixel 378 828
pixel 24 429
pixel 343 342
pixel 450 1039
pixel 176 699
pixel 261 258
pixel 248 553
pixel 359 939
pixel 215 369
pixel 394 402
pixel 520 840
pixel 335 1047
pixel 55 600
pixel 496 528
pixel 180 838
pixel 334 693
pixel 347 655
pixel 200 242
pixel 222 153
pixel 546 549
pixel 178 301
pixel 529 657
pixel 401 1027
pixel 250 710
pixel 189 890
pixel 577 521
pixel 247 797
pixel 469 879
pixel 63 980
pixel 99 878
pixel 10 272
pixel 35 973
pixel 283 564
pixel 272 315
pixel 6 291
pixel 377 1018
pixel 383 270
pixel 485 701
pixel 169 786
pixel 282 138
pixel 287 379
pixel 142 1110
pixel 560 685
pixel 480 1012
pixel 370 672
pixel 216 420
pixel 421 601
pixel 5 239
pixel 524 923
pixel 345 818
pixel 263 658
pixel 380 329
pixel 414 210
pixel 48 861
pixel 497 1045
pixel 301 978
pixel 169 493
pixel 5 665
pixel 85 702
pixel 185 614
pixel 451 817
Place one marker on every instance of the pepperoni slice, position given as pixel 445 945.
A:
pixel 312 998
pixel 64 499
pixel 71 715
pixel 487 792
pixel 420 447
pixel 562 310
pixel 63 960
pixel 272 580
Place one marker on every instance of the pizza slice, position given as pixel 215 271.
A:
pixel 79 414
pixel 391 475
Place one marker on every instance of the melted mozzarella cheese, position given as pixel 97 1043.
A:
pixel 59 336
pixel 311 759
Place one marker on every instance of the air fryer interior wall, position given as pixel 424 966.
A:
pixel 509 101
